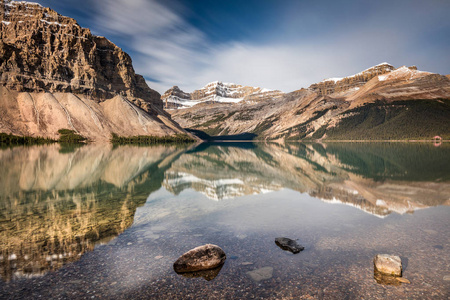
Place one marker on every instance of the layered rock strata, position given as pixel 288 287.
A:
pixel 52 68
pixel 381 108
pixel 333 85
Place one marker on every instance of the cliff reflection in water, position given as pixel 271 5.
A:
pixel 378 178
pixel 55 204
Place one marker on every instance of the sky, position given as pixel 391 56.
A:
pixel 275 44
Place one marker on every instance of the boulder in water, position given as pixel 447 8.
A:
pixel 201 258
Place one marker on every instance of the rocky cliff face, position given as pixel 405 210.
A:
pixel 217 92
pixel 41 50
pixel 398 104
pixel 353 82
pixel 46 57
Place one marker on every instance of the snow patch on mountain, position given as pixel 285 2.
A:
pixel 337 79
pixel 403 73
pixel 216 92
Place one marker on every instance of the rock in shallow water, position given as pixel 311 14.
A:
pixel 288 245
pixel 201 258
pixel 261 274
pixel 388 264
pixel 208 275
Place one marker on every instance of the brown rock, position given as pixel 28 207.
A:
pixel 402 280
pixel 388 264
pixel 201 258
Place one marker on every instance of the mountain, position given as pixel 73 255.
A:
pixel 217 92
pixel 56 74
pixel 378 103
pixel 334 85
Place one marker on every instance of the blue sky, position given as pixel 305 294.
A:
pixel 278 44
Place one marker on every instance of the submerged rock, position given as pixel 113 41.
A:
pixel 261 274
pixel 402 280
pixel 388 264
pixel 384 279
pixel 201 258
pixel 208 275
pixel 288 245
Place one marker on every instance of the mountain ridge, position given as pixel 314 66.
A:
pixel 56 74
pixel 216 92
pixel 366 100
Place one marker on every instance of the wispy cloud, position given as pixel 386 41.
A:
pixel 168 50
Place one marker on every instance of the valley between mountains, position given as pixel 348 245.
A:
pixel 55 75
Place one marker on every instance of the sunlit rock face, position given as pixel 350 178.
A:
pixel 56 203
pixel 374 104
pixel 336 85
pixel 45 51
pixel 55 74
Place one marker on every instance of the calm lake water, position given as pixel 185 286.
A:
pixel 109 222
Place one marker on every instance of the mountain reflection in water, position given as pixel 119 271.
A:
pixel 56 204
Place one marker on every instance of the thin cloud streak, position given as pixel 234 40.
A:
pixel 171 51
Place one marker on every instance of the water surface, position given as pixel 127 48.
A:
pixel 104 222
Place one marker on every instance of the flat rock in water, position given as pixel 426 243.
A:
pixel 261 274
pixel 201 258
pixel 388 264
pixel 288 245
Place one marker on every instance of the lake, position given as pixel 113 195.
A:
pixel 107 222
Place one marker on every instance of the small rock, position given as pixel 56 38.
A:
pixel 246 263
pixel 447 277
pixel 261 274
pixel 402 280
pixel 288 245
pixel 201 258
pixel 388 264
pixel 159 257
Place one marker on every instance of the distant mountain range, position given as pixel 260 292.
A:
pixel 217 92
pixel 381 102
